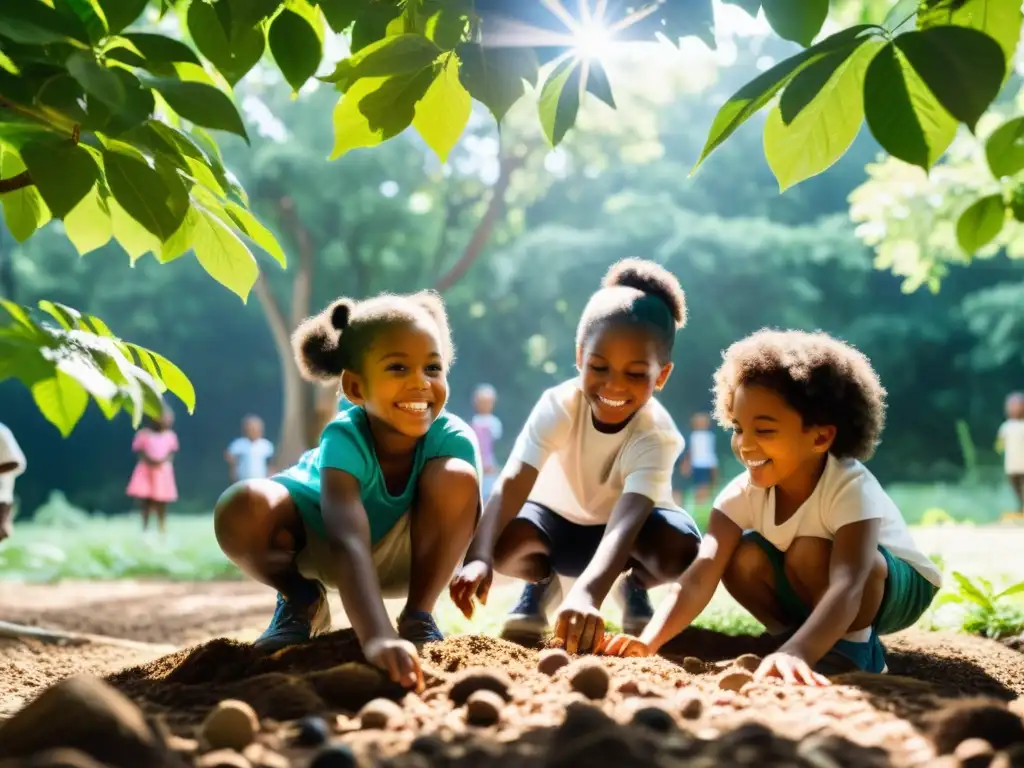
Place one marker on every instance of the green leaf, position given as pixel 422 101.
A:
pixel 172 377
pixel 158 49
pixel 148 196
pixel 121 13
pixel 221 253
pixel 24 209
pixel 899 14
pixel 398 55
pixel 443 112
pixel 89 225
pixel 391 108
pixel 1000 19
pixel 96 79
pixel 296 47
pixel 980 223
pixel 903 114
pixel 202 104
pixel 89 13
pixel 233 56
pixel 823 130
pixel 971 592
pixel 560 101
pixel 256 232
pixel 446 26
pixel 178 244
pixel 61 399
pixel 372 23
pixel 351 128
pixel 63 172
pixel 962 67
pixel 340 14
pixel 34 23
pixel 8 65
pixel 138 106
pixel 597 83
pixel 130 234
pixel 759 91
pixel 1005 148
pixel 813 79
pixel 494 76
pixel 796 20
pixel 1015 589
pixel 246 14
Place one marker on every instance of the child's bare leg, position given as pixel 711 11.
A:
pixel 807 565
pixel 259 529
pixel 749 578
pixel 523 552
pixel 161 515
pixel 442 524
pixel 144 507
pixel 661 553
pixel 6 520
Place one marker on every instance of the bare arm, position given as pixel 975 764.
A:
pixel 348 533
pixel 10 466
pixel 508 497
pixel 628 517
pixel 697 585
pixel 853 552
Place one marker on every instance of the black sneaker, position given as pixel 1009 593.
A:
pixel 419 628
pixel 637 611
pixel 297 620
pixel 527 621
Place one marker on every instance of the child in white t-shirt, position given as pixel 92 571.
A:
pixel 488 431
pixel 587 490
pixel 1010 442
pixel 805 539
pixel 249 456
pixel 700 460
pixel 12 464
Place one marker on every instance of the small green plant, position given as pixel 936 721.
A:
pixel 989 613
pixel 938 560
pixel 58 512
pixel 935 516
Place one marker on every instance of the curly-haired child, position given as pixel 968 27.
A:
pixel 587 490
pixel 805 539
pixel 385 505
pixel 1010 442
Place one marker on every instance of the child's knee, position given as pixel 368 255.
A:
pixel 670 556
pixel 242 517
pixel 749 563
pixel 521 538
pixel 807 561
pixel 450 485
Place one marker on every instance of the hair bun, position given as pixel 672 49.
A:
pixel 652 279
pixel 341 313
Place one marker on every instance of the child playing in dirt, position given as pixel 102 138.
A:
pixel 1010 442
pixel 385 505
pixel 805 539
pixel 249 456
pixel 488 431
pixel 587 490
pixel 700 461
pixel 12 465
pixel 152 482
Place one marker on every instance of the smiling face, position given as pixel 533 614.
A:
pixel 403 382
pixel 1015 406
pixel 770 439
pixel 620 370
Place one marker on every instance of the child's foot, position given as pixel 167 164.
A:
pixel 638 610
pixel 298 619
pixel 849 656
pixel 419 628
pixel 527 622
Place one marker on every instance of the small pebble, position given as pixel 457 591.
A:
pixel 484 708
pixel 655 719
pixel 749 662
pixel 630 688
pixel 222 758
pixel 427 745
pixel 479 679
pixel 733 681
pixel 974 752
pixel 551 660
pixel 313 731
pixel 230 725
pixel 380 714
pixel 691 707
pixel 334 756
pixel 591 679
pixel 693 665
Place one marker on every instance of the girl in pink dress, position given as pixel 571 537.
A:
pixel 152 482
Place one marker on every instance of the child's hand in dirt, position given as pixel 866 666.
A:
pixel 792 669
pixel 625 646
pixel 398 658
pixel 472 580
pixel 579 625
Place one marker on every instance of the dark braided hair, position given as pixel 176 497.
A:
pixel 828 382
pixel 640 293
pixel 336 339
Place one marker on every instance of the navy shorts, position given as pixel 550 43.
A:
pixel 571 546
pixel 699 476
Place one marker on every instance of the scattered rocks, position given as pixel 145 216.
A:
pixel 987 719
pixel 313 731
pixel 694 666
pixel 691 707
pixel 974 753
pixel 590 678
pixel 655 719
pixel 478 679
pixel 231 724
pixel 427 745
pixel 748 661
pixel 223 758
pixel 551 660
pixel 733 681
pixel 484 708
pixel 380 714
pixel 334 756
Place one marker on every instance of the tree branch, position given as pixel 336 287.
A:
pixel 302 284
pixel 279 328
pixel 485 227
pixel 20 181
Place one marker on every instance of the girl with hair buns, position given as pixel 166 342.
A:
pixel 587 491
pixel 385 505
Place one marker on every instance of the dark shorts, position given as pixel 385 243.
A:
pixel 699 476
pixel 572 546
pixel 1017 483
pixel 907 593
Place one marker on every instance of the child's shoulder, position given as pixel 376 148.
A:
pixel 654 418
pixel 844 478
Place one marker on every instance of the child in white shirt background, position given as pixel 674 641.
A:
pixel 12 465
pixel 1010 441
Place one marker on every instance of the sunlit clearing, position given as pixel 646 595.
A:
pixel 591 41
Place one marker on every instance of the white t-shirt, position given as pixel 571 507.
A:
pixel 846 493
pixel 583 472
pixel 10 452
pixel 251 457
pixel 702 449
pixel 1012 434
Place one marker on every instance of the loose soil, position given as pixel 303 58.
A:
pixel 670 710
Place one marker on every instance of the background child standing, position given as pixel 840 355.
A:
pixel 152 482
pixel 700 460
pixel 249 456
pixel 488 431
pixel 12 464
pixel 1010 442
